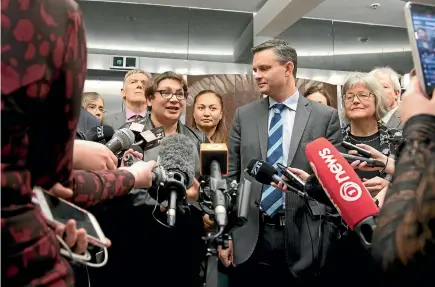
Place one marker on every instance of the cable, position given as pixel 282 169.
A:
pixel 82 259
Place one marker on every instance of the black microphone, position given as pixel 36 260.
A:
pixel 177 158
pixel 121 140
pixel 100 134
pixel 151 138
pixel 315 190
pixel 214 162
pixel 265 173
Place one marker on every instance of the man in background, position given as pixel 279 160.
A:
pixel 390 82
pixel 133 94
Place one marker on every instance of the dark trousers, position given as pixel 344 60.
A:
pixel 267 266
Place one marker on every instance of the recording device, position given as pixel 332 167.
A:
pixel 58 211
pixel 100 134
pixel 370 162
pixel 265 173
pixel 130 159
pixel 420 21
pixel 214 162
pixel 344 188
pixel 361 151
pixel 121 140
pixel 294 180
pixel 176 157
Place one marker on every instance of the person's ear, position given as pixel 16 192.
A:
pixel 289 67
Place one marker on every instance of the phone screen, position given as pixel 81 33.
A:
pixel 62 212
pixel 423 20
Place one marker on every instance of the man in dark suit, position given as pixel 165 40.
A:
pixel 133 95
pixel 390 82
pixel 270 249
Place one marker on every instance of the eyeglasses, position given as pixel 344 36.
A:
pixel 349 98
pixel 95 108
pixel 168 95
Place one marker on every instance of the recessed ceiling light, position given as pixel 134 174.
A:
pixel 363 39
pixel 130 18
pixel 375 6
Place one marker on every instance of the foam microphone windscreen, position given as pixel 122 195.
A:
pixel 101 134
pixel 213 151
pixel 262 171
pixel 341 183
pixel 177 153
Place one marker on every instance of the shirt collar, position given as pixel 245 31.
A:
pixel 291 102
pixel 130 114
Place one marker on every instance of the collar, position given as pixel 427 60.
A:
pixel 291 102
pixel 129 114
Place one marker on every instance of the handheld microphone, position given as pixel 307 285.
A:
pixel 100 134
pixel 151 138
pixel 121 140
pixel 265 173
pixel 370 162
pixel 214 162
pixel 344 188
pixel 176 157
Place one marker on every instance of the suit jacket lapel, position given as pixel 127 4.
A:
pixel 262 125
pixel 303 111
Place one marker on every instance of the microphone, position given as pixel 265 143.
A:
pixel 100 134
pixel 344 188
pixel 151 138
pixel 265 173
pixel 214 162
pixel 177 158
pixel 121 140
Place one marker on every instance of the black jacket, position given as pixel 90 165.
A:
pixel 144 252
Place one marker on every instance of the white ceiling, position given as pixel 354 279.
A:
pixel 390 12
pixel 232 5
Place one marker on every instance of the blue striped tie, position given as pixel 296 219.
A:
pixel 271 198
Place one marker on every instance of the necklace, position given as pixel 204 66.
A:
pixel 359 141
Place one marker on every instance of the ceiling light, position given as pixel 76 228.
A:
pixel 375 6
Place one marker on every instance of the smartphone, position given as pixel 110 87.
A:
pixel 295 181
pixel 361 151
pixel 58 211
pixel 370 162
pixel 420 21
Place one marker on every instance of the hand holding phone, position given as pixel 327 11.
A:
pixel 361 151
pixel 59 212
pixel 420 21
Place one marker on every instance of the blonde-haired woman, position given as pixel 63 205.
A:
pixel 93 103
pixel 364 107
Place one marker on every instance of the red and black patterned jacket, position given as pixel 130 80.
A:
pixel 43 65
